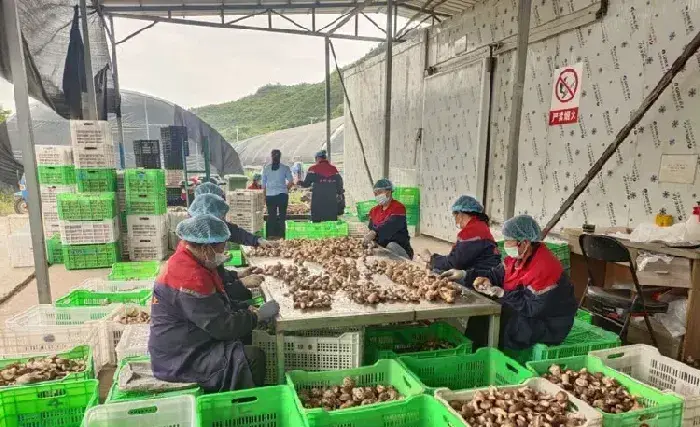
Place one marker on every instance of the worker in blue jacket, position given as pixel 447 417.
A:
pixel 195 327
pixel 387 221
pixel 535 292
pixel 475 251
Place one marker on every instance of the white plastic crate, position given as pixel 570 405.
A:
pixel 19 249
pixel 115 330
pixel 593 417
pixel 89 133
pixel 315 350
pixel 54 340
pixel 49 212
pixel 178 411
pixel 101 156
pixel 89 232
pixel 142 249
pixel 49 192
pixel 175 217
pixel 644 363
pixel 133 342
pixel 147 226
pixel 249 222
pixel 54 155
pixel 245 201
pixel 42 317
pixel 174 177
pixel 103 285
pixel 51 227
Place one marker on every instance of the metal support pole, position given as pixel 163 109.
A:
pixel 115 77
pixel 328 97
pixel 24 128
pixel 517 108
pixel 387 88
pixel 207 157
pixel 187 181
pixel 91 104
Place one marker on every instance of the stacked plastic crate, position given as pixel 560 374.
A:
pixel 147 153
pixel 174 142
pixel 121 209
pixel 246 209
pixel 89 229
pixel 56 175
pixel 146 214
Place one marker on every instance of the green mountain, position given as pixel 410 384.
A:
pixel 273 107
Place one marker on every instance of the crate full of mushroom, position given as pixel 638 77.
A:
pixel 121 317
pixel 351 389
pixel 535 403
pixel 622 400
pixel 74 365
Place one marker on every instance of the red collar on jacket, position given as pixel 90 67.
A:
pixel 184 272
pixel 255 186
pixel 324 168
pixel 379 215
pixel 540 272
pixel 475 229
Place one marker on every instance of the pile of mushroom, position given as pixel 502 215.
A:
pixel 38 370
pixel 599 391
pixel 520 407
pixel 346 395
pixel 319 250
pixel 132 316
pixel 423 284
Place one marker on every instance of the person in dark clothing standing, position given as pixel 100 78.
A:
pixel 475 252
pixel 196 329
pixel 327 192
pixel 387 222
pixel 276 181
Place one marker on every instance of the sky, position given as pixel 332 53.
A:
pixel 195 66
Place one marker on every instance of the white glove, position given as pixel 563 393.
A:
pixel 492 291
pixel 252 281
pixel 268 311
pixel 454 275
pixel 262 243
pixel 369 237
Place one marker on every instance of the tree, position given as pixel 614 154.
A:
pixel 4 114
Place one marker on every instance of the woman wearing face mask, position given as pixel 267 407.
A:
pixel 475 251
pixel 537 297
pixel 195 327
pixel 387 222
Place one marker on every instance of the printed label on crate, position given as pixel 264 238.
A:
pixel 54 155
pixel 90 133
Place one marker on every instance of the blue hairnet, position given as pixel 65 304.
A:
pixel 208 204
pixel 257 177
pixel 383 184
pixel 521 227
pixel 203 229
pixel 467 204
pixel 322 154
pixel 209 188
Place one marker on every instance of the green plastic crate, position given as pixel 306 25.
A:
pixel 584 316
pixel 144 182
pixel 256 301
pixel 87 298
pixel 412 216
pixel 81 257
pixel 54 250
pixel 96 180
pixel 385 372
pixel 582 338
pixel 86 206
pixel 390 342
pixel 409 196
pixel 486 367
pixel 144 204
pixel 236 182
pixel 416 411
pixel 115 395
pixel 58 404
pixel 257 407
pixel 57 175
pixel 363 209
pixel 143 270
pixel 237 259
pixel 316 230
pixel 82 352
pixel 660 409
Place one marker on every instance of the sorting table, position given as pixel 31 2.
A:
pixel 345 313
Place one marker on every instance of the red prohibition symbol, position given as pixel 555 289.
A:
pixel 567 85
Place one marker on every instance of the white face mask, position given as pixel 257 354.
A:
pixel 382 199
pixel 512 251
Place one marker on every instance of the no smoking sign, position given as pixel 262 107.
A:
pixel 566 93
